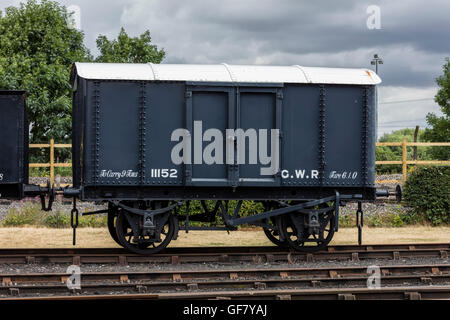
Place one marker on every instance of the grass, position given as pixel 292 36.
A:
pixel 31 237
pixel 45 172
pixel 30 227
pixel 394 218
pixel 30 214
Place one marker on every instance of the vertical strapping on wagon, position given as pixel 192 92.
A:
pixel 279 126
pixel 235 166
pixel 20 146
pixel 142 132
pixel 187 167
pixel 25 142
pixel 365 135
pixel 322 135
pixel 96 144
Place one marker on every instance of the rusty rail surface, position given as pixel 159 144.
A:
pixel 223 254
pixel 330 282
pixel 224 281
pixel 232 277
pixel 388 293
pixel 408 286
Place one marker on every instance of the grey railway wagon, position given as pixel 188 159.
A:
pixel 148 139
pixel 144 131
pixel 13 144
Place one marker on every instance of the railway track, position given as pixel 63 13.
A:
pixel 391 293
pixel 223 254
pixel 223 279
pixel 260 280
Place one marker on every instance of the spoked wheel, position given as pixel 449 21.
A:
pixel 144 244
pixel 296 231
pixel 273 235
pixel 112 217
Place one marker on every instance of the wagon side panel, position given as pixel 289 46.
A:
pixel 300 136
pixel 347 135
pixel 14 145
pixel 164 113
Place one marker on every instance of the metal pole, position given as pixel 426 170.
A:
pixel 376 61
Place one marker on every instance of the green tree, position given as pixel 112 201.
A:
pixel 427 194
pixel 37 49
pixel 128 49
pixel 440 126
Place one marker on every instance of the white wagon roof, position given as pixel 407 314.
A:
pixel 224 73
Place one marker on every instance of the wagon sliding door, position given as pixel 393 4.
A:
pixel 259 112
pixel 209 112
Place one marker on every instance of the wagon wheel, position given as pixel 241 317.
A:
pixel 273 235
pixel 144 245
pixel 112 217
pixel 296 231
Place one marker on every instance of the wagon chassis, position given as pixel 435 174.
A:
pixel 281 219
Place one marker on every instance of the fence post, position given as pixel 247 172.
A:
pixel 416 133
pixel 404 158
pixel 52 161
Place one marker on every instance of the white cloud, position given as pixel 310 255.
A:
pixel 394 116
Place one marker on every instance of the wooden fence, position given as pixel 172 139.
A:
pixel 404 162
pixel 52 165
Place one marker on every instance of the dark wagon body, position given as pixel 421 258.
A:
pixel 13 144
pixel 124 117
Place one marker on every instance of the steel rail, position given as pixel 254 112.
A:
pixel 222 254
pixel 240 284
pixel 386 293
pixel 329 272
pixel 197 280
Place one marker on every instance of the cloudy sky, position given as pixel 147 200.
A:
pixel 413 39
